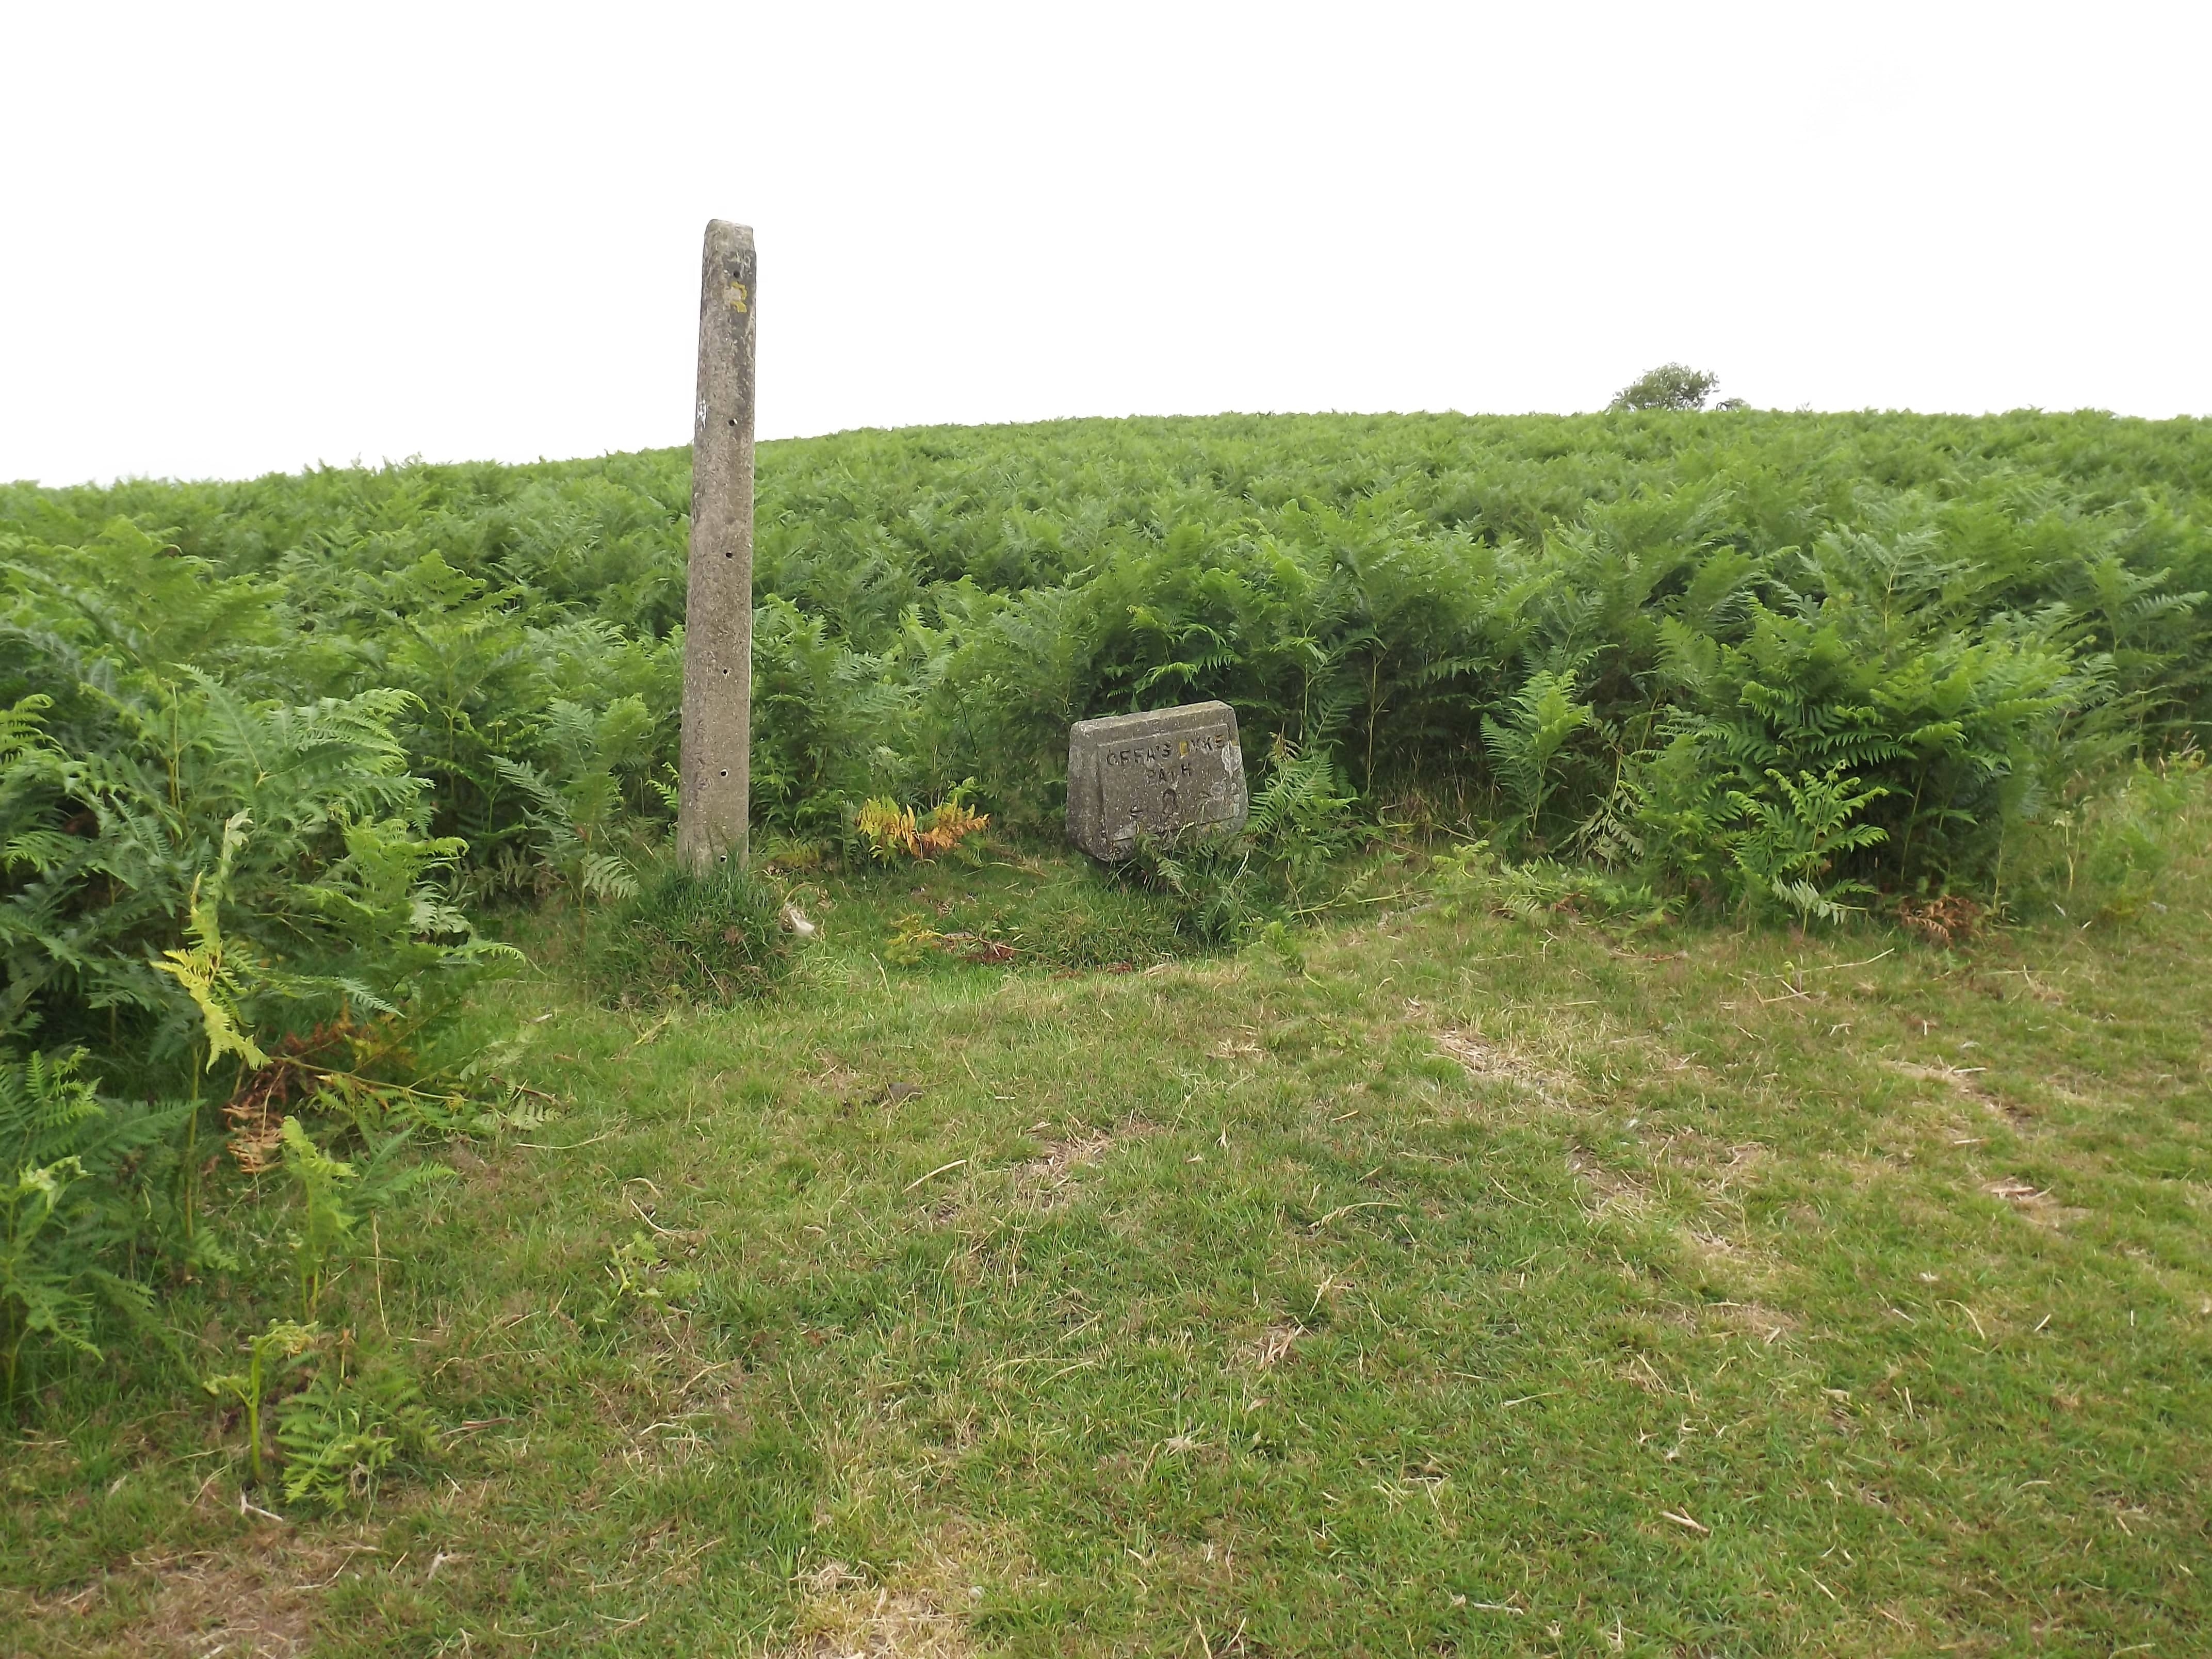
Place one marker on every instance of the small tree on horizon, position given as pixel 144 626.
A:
pixel 1670 385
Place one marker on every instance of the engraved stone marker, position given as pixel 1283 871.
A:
pixel 1153 773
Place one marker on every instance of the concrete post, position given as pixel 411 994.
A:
pixel 711 804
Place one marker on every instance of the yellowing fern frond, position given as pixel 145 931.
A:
pixel 205 970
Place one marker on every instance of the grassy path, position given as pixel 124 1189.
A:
pixel 1472 1286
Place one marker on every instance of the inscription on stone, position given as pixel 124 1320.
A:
pixel 1152 775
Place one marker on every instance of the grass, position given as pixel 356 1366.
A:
pixel 1473 1285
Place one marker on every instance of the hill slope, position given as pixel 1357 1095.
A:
pixel 1059 1264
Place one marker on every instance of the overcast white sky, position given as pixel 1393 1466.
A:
pixel 236 239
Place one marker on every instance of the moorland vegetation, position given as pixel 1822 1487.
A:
pixel 272 752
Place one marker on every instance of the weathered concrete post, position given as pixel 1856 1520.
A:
pixel 711 804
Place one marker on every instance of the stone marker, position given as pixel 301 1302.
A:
pixel 1153 773
pixel 712 780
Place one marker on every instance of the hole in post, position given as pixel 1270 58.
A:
pixel 725 771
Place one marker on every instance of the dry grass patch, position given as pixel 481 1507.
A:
pixel 1715 1170
pixel 1768 1324
pixel 1270 1347
pixel 258 1607
pixel 844 1618
pixel 1047 1180
pixel 920 1611
pixel 1042 1179
pixel 1964 1081
pixel 1711 1163
pixel 1611 1192
pixel 2034 1202
pixel 1492 1062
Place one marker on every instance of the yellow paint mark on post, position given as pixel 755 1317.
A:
pixel 738 296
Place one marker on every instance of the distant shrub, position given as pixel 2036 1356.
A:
pixel 1670 385
pixel 714 939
